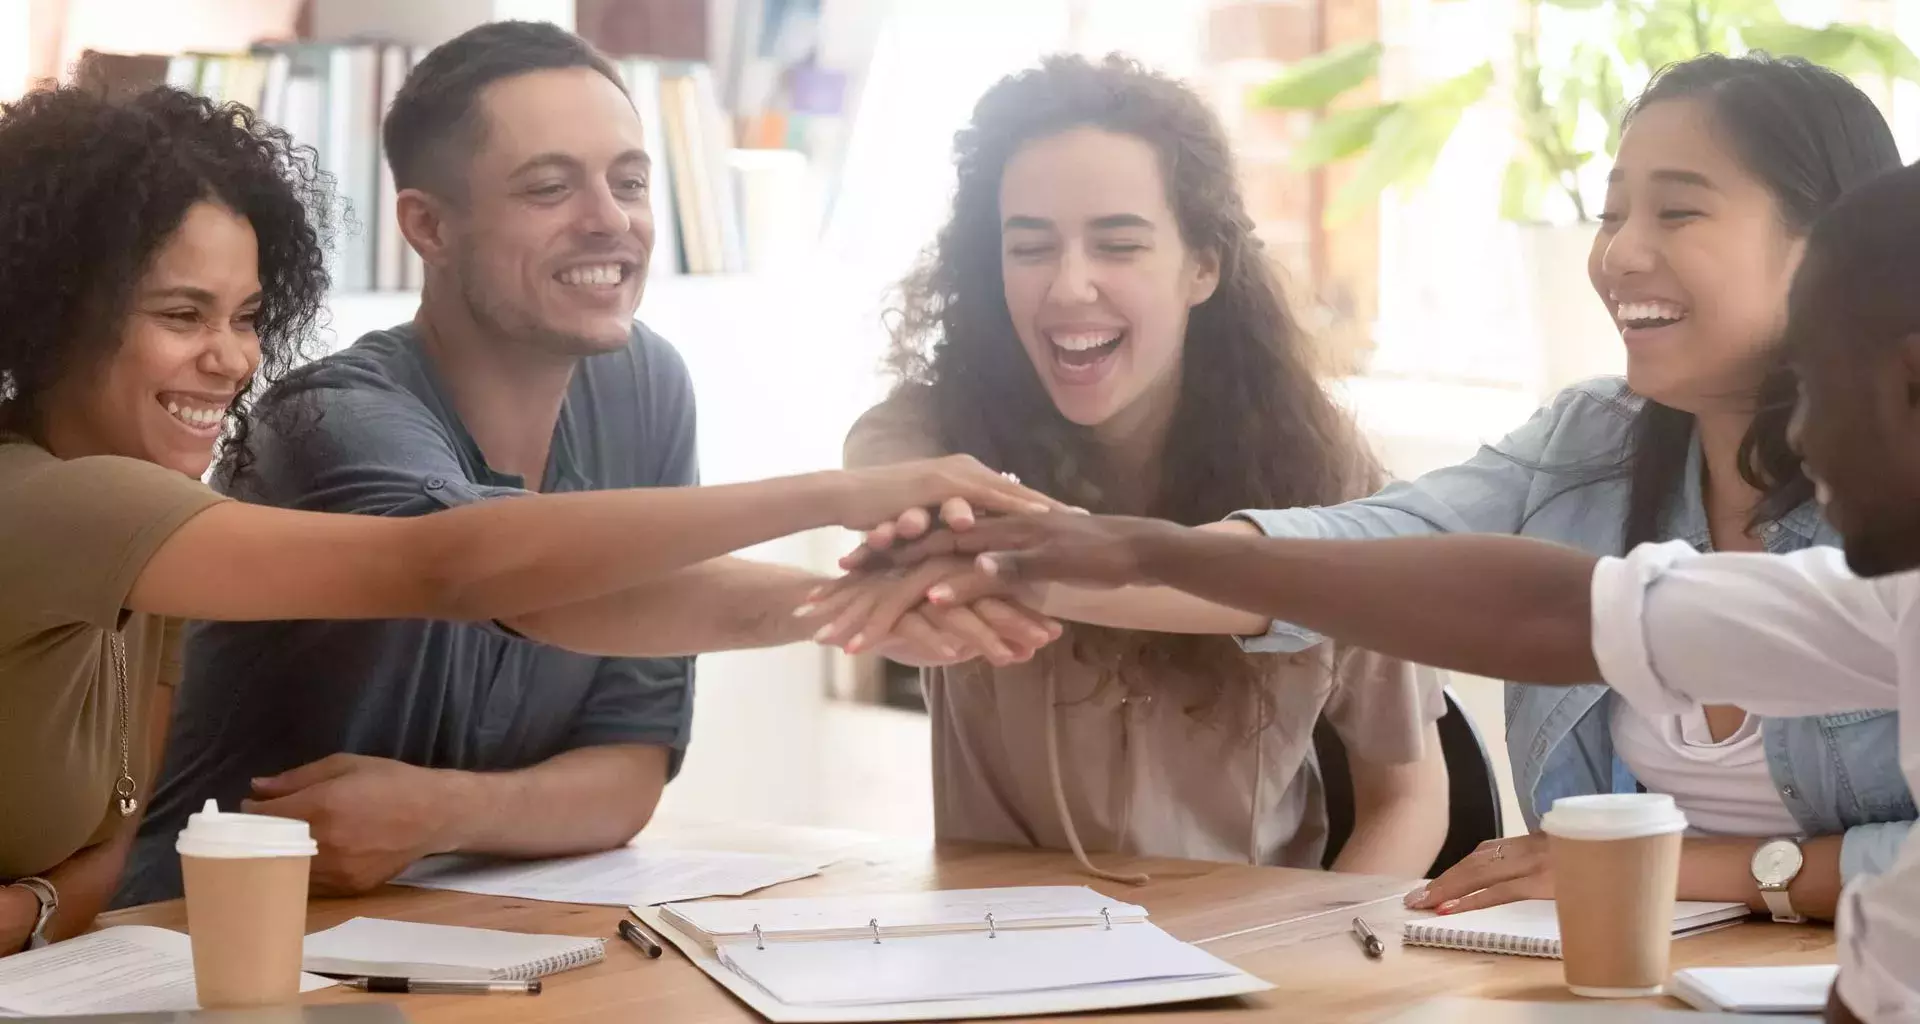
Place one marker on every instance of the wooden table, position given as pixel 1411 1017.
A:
pixel 1288 927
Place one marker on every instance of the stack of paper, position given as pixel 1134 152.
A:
pixel 1756 989
pixel 628 876
pixel 129 969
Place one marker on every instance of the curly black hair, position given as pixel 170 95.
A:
pixel 91 188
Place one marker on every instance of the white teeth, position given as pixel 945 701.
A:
pixel 601 274
pixel 192 417
pixel 1083 342
pixel 1632 311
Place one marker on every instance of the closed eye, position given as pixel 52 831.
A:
pixel 1679 215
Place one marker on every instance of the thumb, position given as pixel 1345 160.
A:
pixel 330 767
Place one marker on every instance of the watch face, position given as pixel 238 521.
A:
pixel 1776 862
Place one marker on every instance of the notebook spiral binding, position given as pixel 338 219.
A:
pixel 582 957
pixel 1481 942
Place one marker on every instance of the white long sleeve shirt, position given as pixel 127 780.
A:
pixel 1784 635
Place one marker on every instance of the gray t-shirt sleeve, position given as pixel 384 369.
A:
pixel 650 700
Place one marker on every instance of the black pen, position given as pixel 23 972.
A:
pixel 639 939
pixel 425 986
pixel 1368 941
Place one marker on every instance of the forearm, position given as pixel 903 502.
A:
pixel 506 558
pixel 1501 607
pixel 1160 609
pixel 85 882
pixel 1399 815
pixel 1720 869
pixel 581 801
pixel 719 605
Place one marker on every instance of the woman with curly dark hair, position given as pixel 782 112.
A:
pixel 160 258
pixel 1098 317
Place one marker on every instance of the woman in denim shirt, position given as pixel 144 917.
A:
pixel 1722 169
pixel 1696 275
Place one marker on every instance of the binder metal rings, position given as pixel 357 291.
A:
pixel 759 940
pixel 991 934
pixel 1104 916
pixel 874 924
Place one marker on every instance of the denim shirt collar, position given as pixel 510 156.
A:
pixel 1803 527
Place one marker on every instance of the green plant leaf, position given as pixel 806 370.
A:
pixel 1820 45
pixel 1320 79
pixel 1893 56
pixel 1409 140
pixel 1341 134
pixel 1577 5
pixel 1521 190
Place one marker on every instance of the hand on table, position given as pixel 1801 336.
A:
pixel 371 816
pixel 886 611
pixel 1498 871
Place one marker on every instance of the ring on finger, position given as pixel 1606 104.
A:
pixel 1499 851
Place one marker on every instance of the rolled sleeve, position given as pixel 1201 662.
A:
pixel 638 700
pixel 1777 635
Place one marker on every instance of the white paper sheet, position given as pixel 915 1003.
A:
pixel 628 876
pixel 850 972
pixel 128 969
pixel 943 910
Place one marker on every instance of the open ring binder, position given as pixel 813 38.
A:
pixel 991 934
pixel 875 925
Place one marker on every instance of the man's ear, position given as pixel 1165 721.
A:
pixel 423 222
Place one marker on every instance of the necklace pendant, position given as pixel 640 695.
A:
pixel 124 789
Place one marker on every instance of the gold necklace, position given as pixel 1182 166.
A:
pixel 124 786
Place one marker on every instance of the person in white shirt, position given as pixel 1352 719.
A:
pixel 1814 632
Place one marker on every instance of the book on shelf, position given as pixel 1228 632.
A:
pixel 334 98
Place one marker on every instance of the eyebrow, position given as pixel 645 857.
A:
pixel 1106 223
pixel 1671 176
pixel 189 292
pixel 567 163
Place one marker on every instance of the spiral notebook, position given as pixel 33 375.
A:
pixel 369 947
pixel 944 955
pixel 1529 927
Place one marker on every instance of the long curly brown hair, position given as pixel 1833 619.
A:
pixel 1253 427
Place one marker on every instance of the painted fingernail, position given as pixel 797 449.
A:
pixel 1417 898
pixel 854 645
pixel 1448 907
pixel 990 565
pixel 825 632
pixel 940 594
pixel 805 610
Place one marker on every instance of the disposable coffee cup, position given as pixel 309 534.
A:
pixel 1616 867
pixel 246 881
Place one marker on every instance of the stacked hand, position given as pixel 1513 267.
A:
pixel 972 580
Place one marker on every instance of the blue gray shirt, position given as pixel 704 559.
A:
pixel 371 430
pixel 1837 774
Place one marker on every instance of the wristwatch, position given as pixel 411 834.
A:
pixel 1775 865
pixel 49 898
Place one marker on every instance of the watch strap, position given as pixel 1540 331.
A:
pixel 49 898
pixel 1781 906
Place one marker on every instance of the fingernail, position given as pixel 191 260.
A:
pixel 1448 907
pixel 854 645
pixel 1417 898
pixel 825 632
pixel 949 653
pixel 940 594
pixel 990 565
pixel 805 610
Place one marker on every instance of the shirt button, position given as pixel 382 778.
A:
pixel 434 483
pixel 1773 528
pixel 1786 791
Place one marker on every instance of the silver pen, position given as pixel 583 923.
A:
pixel 429 987
pixel 1369 942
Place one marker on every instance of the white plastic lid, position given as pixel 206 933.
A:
pixel 214 833
pixel 1613 816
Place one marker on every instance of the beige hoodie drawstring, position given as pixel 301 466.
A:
pixel 1060 795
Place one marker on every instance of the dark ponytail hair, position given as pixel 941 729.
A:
pixel 1810 136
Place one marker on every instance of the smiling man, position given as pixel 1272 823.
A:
pixel 523 183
